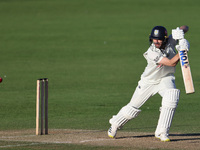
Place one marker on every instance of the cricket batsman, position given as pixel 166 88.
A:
pixel 158 77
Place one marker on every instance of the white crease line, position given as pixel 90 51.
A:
pixel 84 141
pixel 67 142
pixel 21 145
pixel 10 137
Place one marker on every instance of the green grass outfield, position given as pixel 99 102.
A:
pixel 92 53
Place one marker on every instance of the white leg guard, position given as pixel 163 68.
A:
pixel 169 104
pixel 125 114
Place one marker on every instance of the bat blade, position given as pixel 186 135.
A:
pixel 186 72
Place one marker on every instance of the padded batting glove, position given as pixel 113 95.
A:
pixel 177 34
pixel 183 45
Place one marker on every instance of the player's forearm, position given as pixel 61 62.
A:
pixel 170 62
pixel 175 60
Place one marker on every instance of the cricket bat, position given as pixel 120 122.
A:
pixel 186 71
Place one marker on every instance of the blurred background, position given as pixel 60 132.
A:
pixel 92 53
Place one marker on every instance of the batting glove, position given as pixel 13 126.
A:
pixel 177 34
pixel 183 45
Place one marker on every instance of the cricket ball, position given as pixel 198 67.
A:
pixel 1 79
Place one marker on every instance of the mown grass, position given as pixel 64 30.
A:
pixel 91 51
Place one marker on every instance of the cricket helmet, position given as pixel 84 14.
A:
pixel 159 33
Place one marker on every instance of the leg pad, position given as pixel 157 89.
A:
pixel 125 114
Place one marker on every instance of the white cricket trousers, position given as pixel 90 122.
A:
pixel 144 91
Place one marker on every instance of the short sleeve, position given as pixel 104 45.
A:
pixel 154 56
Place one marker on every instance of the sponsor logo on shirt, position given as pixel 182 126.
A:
pixel 156 59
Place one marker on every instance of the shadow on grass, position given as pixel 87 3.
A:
pixel 186 136
pixel 182 137
pixel 140 136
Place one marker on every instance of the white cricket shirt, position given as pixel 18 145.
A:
pixel 154 72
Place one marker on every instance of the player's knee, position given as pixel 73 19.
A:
pixel 171 98
pixel 125 114
pixel 130 112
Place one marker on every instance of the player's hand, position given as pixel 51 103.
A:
pixel 177 34
pixel 183 45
